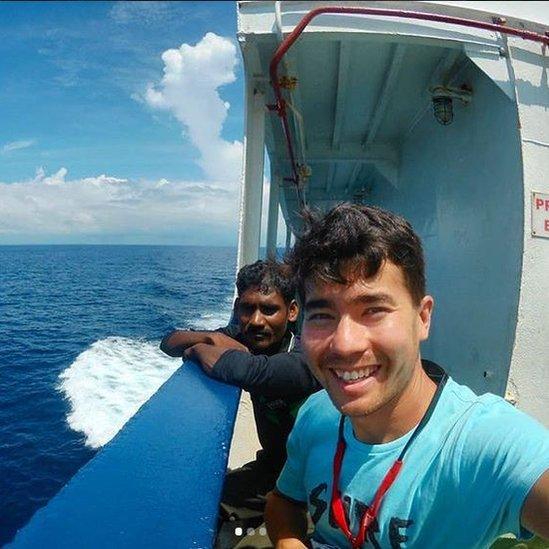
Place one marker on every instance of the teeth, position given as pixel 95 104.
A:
pixel 345 375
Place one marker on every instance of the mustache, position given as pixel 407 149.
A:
pixel 255 331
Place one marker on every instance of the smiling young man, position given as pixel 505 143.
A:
pixel 260 355
pixel 394 453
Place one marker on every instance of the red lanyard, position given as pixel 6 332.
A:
pixel 371 513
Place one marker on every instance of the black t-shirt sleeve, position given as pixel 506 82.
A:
pixel 277 376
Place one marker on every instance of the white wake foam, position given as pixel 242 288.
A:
pixel 108 383
pixel 211 320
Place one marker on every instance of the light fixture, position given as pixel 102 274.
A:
pixel 443 109
pixel 443 102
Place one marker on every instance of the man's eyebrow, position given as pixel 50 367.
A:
pixel 365 299
pixel 368 299
pixel 316 304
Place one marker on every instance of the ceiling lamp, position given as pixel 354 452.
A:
pixel 443 102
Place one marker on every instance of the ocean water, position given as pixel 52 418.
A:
pixel 79 334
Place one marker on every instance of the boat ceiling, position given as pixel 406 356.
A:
pixel 354 104
pixel 362 86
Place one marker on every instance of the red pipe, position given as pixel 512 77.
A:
pixel 287 43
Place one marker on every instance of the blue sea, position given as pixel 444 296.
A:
pixel 79 334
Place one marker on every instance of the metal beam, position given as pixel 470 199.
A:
pixel 385 156
pixel 251 193
pixel 364 159
pixel 330 177
pixel 441 73
pixel 354 152
pixel 272 218
pixel 288 237
pixel 341 91
pixel 385 94
pixel 354 175
pixel 319 196
pixel 389 171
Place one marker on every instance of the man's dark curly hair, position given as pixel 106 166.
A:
pixel 268 276
pixel 352 241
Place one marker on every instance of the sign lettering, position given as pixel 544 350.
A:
pixel 540 214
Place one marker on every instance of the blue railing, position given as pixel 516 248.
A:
pixel 157 483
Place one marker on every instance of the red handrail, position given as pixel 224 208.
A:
pixel 280 105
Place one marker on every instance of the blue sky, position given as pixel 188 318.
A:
pixel 122 122
pixel 104 137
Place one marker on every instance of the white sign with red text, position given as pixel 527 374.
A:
pixel 540 214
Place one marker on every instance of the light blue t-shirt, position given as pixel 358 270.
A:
pixel 463 483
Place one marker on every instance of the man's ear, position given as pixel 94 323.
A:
pixel 293 311
pixel 425 312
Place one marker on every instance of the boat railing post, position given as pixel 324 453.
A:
pixel 251 194
pixel 272 219
pixel 288 238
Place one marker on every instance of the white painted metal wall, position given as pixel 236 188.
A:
pixel 529 374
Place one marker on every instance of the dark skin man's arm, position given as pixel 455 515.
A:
pixel 535 513
pixel 176 342
pixel 286 522
pixel 207 355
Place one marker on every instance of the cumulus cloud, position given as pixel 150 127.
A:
pixel 17 145
pixel 57 178
pixel 189 90
pixel 55 205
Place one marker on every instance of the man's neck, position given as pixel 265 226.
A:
pixel 400 415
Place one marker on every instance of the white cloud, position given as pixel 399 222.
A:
pixel 54 206
pixel 147 13
pixel 17 145
pixel 57 178
pixel 189 90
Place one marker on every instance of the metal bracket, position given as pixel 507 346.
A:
pixel 463 94
pixel 288 82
